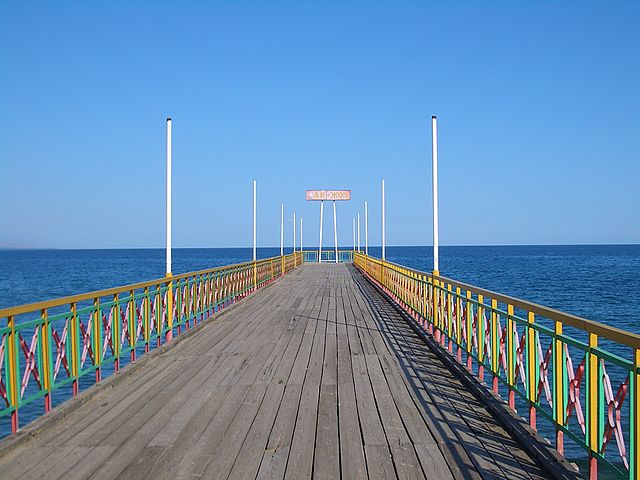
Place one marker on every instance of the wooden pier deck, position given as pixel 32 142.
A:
pixel 316 376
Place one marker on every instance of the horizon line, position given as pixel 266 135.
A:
pixel 329 248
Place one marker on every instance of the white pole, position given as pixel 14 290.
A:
pixel 354 234
pixel 294 232
pixel 282 230
pixel 366 229
pixel 320 245
pixel 358 231
pixel 434 163
pixel 335 230
pixel 300 233
pixel 254 220
pixel 383 229
pixel 168 207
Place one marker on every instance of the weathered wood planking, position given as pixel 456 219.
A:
pixel 316 376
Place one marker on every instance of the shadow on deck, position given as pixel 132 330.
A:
pixel 316 376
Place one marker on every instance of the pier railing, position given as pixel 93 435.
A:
pixel 572 378
pixel 50 349
pixel 344 256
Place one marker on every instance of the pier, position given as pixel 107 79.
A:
pixel 283 368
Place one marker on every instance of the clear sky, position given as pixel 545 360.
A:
pixel 538 106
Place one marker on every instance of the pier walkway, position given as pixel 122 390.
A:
pixel 316 376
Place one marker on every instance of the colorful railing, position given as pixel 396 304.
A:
pixel 327 256
pixel 578 377
pixel 48 346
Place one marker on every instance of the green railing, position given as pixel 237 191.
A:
pixel 575 378
pixel 328 256
pixel 48 346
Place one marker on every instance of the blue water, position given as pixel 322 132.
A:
pixel 598 282
pixel 32 275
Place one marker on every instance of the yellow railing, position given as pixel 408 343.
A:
pixel 528 351
pixel 45 346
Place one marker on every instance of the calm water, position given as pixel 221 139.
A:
pixel 599 282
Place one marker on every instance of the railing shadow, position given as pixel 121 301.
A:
pixel 399 343
pixel 417 361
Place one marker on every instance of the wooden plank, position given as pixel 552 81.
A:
pixel 92 461
pixel 327 449
pixel 379 462
pixel 56 468
pixel 247 463
pixel 404 456
pixel 193 431
pixel 141 463
pixel 195 458
pixel 351 444
pixel 276 453
pixel 300 461
pixel 222 457
pixel 330 369
pixel 302 360
pixel 133 438
pixel 370 423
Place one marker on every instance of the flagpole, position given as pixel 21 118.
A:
pixel 335 230
pixel 320 245
pixel 383 225
pixel 434 165
pixel 354 233
pixel 168 200
pixel 366 229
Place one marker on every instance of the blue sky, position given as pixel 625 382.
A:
pixel 538 106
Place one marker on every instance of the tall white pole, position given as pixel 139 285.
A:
pixel 358 231
pixel 300 233
pixel 282 230
pixel 320 244
pixel 335 230
pixel 366 229
pixel 294 232
pixel 383 228
pixel 168 207
pixel 254 220
pixel 354 234
pixel 434 164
